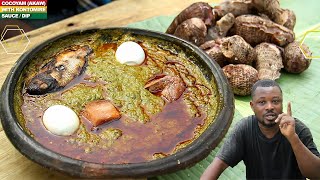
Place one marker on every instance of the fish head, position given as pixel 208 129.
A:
pixel 60 70
pixel 41 84
pixel 69 64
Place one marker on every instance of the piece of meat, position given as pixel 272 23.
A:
pixel 100 111
pixel 168 87
pixel 59 71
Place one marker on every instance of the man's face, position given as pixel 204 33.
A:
pixel 267 105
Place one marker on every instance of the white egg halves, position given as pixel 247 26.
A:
pixel 130 53
pixel 60 120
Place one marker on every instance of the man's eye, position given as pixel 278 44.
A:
pixel 261 102
pixel 276 101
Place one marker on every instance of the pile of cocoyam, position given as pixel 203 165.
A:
pixel 249 39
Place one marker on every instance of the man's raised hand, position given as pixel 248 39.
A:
pixel 287 123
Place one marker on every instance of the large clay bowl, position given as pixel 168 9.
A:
pixel 187 157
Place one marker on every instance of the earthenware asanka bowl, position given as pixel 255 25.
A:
pixel 187 157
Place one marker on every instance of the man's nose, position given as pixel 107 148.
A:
pixel 269 106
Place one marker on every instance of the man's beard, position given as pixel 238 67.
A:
pixel 270 123
pixel 267 125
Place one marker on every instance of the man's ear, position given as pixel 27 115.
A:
pixel 251 105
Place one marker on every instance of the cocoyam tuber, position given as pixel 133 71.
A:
pixel 269 7
pixel 237 50
pixel 236 7
pixel 200 10
pixel 241 78
pixel 272 9
pixel 213 49
pixel 268 61
pixel 256 30
pixel 255 37
pixel 221 28
pixel 294 61
pixel 193 30
pixel 287 18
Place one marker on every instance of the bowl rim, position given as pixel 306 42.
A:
pixel 188 156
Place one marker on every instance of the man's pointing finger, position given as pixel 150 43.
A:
pixel 289 113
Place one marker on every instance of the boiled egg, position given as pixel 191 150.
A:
pixel 130 53
pixel 60 120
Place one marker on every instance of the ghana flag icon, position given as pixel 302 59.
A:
pixel 23 9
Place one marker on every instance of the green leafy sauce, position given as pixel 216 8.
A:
pixel 105 78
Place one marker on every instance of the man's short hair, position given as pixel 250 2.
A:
pixel 264 83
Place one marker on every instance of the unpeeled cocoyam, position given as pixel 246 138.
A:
pixel 268 61
pixel 287 18
pixel 193 30
pixel 236 7
pixel 241 78
pixel 200 10
pixel 246 32
pixel 237 50
pixel 255 30
pixel 213 49
pixel 221 28
pixel 294 60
